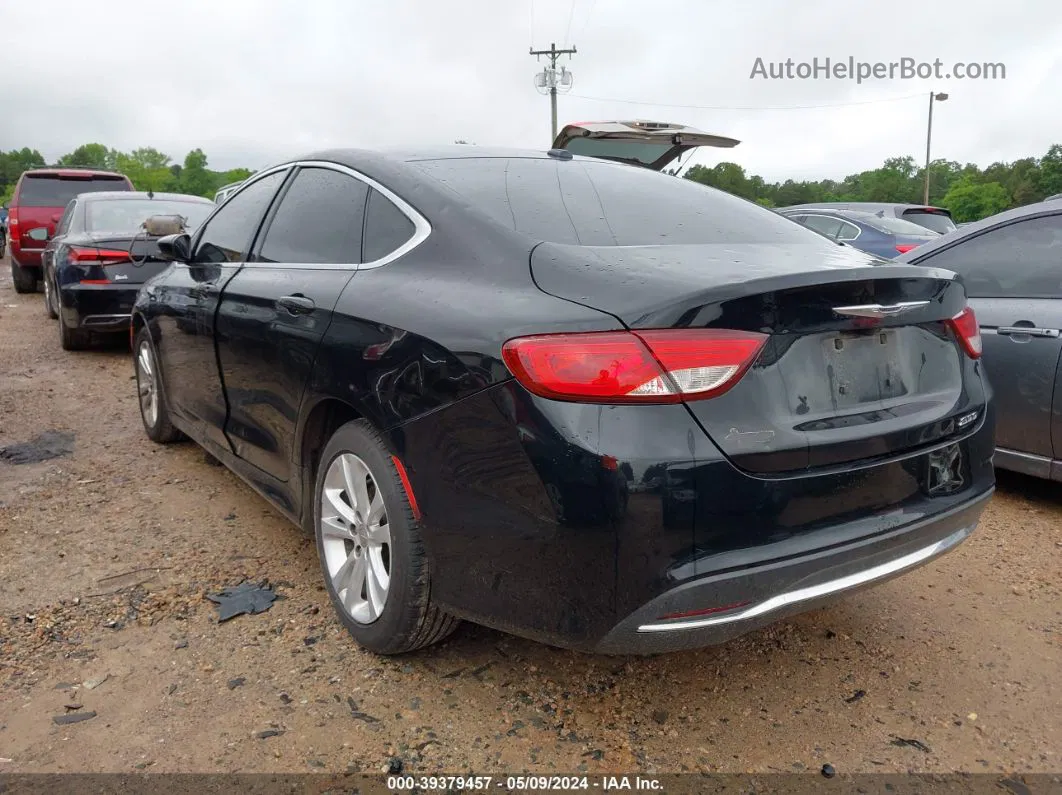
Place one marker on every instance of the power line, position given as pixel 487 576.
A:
pixel 747 107
pixel 586 20
pixel 568 32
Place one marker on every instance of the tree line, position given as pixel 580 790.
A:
pixel 967 190
pixel 971 193
pixel 147 169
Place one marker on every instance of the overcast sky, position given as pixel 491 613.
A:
pixel 255 81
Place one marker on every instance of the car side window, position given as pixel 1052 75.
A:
pixel 227 235
pixel 1019 260
pixel 824 224
pixel 848 231
pixel 319 220
pixel 386 228
pixel 64 223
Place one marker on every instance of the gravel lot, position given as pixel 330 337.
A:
pixel 106 554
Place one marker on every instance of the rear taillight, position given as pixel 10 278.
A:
pixel 903 249
pixel 659 366
pixel 12 223
pixel 966 329
pixel 98 256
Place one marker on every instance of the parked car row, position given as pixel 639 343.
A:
pixel 562 394
pixel 81 233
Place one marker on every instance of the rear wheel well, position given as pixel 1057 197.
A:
pixel 325 419
pixel 137 323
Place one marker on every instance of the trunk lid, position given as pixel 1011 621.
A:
pixel 139 259
pixel 650 144
pixel 861 363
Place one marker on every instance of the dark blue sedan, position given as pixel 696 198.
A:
pixel 876 234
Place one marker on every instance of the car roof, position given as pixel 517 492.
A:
pixel 867 205
pixel 125 195
pixel 974 228
pixel 71 171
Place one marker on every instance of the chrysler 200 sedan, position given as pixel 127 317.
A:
pixel 571 399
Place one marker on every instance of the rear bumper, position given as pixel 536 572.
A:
pixel 28 258
pixel 98 307
pixel 787 587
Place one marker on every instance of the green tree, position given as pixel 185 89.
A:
pixel 235 175
pixel 195 178
pixel 147 168
pixel 1050 181
pixel 91 156
pixel 971 201
pixel 12 164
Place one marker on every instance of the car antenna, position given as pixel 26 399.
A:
pixel 151 193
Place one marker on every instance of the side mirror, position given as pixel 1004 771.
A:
pixel 175 248
pixel 40 233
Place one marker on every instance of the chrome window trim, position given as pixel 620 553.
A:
pixel 858 229
pixel 811 214
pixel 421 227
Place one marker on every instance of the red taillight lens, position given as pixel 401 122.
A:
pixel 966 329
pixel 99 256
pixel 12 222
pixel 903 249
pixel 659 366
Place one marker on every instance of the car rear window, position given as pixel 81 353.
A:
pixel 126 215
pixel 604 204
pixel 645 152
pixel 51 190
pixel 938 222
pixel 893 226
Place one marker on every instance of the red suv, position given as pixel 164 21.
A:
pixel 40 197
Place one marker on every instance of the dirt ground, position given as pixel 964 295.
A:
pixel 106 554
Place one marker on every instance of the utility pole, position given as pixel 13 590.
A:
pixel 929 135
pixel 549 79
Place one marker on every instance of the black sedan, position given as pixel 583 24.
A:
pixel 571 399
pixel 100 255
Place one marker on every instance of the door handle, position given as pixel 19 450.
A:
pixel 1030 331
pixel 296 304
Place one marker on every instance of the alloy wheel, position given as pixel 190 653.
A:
pixel 355 538
pixel 147 383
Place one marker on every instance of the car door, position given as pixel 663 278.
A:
pixel 1013 277
pixel 275 311
pixel 187 299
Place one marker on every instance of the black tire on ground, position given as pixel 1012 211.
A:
pixel 409 619
pixel 160 429
pixel 73 339
pixel 24 279
pixel 51 298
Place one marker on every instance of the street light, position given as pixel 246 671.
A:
pixel 929 136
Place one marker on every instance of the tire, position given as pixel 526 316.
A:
pixel 73 339
pixel 24 279
pixel 157 423
pixel 408 619
pixel 51 298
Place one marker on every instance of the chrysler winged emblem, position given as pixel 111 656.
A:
pixel 879 310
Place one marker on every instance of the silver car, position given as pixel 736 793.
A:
pixel 1011 264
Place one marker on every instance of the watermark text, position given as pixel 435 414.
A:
pixel 860 71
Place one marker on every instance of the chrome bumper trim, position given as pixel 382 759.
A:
pixel 818 591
